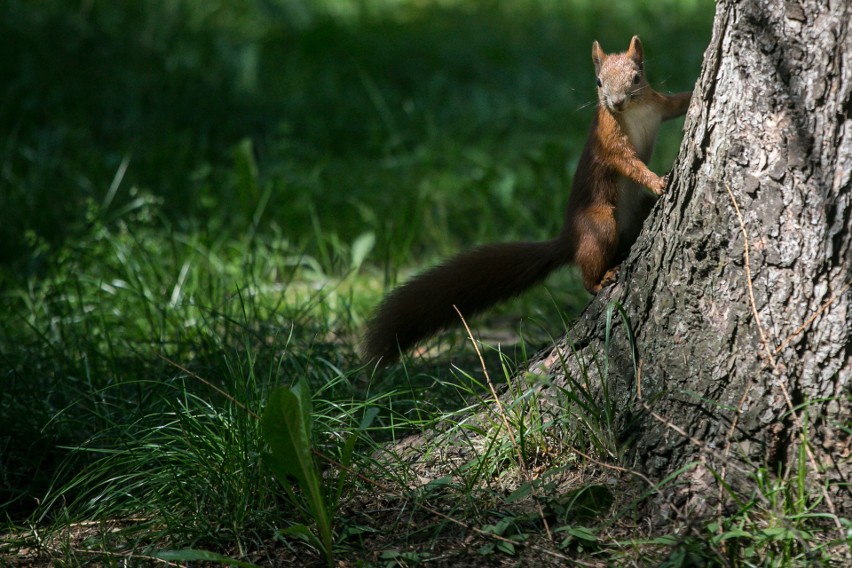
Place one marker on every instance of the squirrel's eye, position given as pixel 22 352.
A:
pixel 599 82
pixel 636 79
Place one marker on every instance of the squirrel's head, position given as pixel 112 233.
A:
pixel 620 77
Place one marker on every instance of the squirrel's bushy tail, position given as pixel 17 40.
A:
pixel 473 281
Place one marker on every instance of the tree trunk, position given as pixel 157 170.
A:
pixel 738 289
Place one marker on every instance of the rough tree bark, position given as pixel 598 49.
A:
pixel 736 325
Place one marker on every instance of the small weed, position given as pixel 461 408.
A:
pixel 287 422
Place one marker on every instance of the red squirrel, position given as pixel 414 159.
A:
pixel 604 215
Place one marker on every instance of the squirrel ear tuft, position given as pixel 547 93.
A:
pixel 598 56
pixel 635 50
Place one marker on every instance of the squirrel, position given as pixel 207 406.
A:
pixel 603 218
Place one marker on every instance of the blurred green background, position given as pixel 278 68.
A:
pixel 232 184
pixel 433 124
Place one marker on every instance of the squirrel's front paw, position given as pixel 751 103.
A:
pixel 660 184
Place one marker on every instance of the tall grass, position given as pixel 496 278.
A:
pixel 352 110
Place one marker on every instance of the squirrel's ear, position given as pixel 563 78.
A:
pixel 598 56
pixel 635 50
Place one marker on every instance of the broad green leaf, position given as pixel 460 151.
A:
pixel 286 426
pixel 361 248
pixel 581 533
pixel 506 547
pixel 287 430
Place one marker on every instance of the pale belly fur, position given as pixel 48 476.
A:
pixel 641 126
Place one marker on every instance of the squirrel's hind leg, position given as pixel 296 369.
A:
pixel 597 241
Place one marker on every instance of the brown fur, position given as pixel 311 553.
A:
pixel 603 217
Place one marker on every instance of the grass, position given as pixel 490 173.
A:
pixel 200 202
